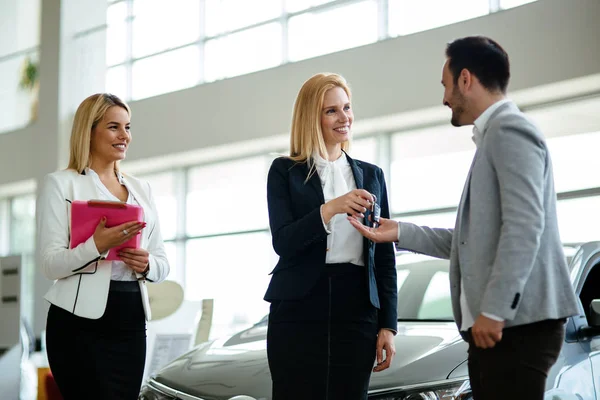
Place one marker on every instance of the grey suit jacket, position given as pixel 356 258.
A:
pixel 505 244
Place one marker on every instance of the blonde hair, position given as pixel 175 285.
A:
pixel 89 113
pixel 306 133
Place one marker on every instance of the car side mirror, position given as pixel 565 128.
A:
pixel 595 313
pixel 593 328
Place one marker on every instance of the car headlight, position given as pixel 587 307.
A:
pixel 457 390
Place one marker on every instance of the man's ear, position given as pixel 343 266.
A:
pixel 465 80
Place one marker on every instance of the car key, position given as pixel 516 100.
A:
pixel 375 213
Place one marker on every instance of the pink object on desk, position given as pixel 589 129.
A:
pixel 86 215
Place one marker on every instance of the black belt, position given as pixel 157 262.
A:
pixel 124 286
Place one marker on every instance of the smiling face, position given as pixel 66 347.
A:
pixel 111 136
pixel 336 117
pixel 453 98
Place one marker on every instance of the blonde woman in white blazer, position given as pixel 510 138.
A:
pixel 96 327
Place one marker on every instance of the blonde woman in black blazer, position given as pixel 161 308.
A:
pixel 333 294
pixel 96 327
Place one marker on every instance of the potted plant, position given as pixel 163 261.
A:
pixel 30 82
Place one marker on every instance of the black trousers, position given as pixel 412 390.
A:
pixel 322 347
pixel 99 358
pixel 516 368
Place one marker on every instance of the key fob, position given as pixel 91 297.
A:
pixel 376 215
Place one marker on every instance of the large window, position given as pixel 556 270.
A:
pixel 227 196
pixel 578 219
pixel 429 167
pixel 365 149
pixel 159 25
pixel 166 72
pixel 409 16
pixel 576 162
pixel 22 224
pixel 159 46
pixel 19 41
pixel 166 192
pixel 241 52
pixel 215 226
pixel 232 270
pixel 315 33
pixel 221 17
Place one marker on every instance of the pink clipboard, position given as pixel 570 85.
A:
pixel 86 215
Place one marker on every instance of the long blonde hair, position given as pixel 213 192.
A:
pixel 89 113
pixel 306 134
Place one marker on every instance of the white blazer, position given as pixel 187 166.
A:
pixel 82 275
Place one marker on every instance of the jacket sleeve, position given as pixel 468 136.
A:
pixel 158 262
pixel 52 235
pixel 290 236
pixel 434 242
pixel 519 158
pixel 385 271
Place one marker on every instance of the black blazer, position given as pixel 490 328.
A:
pixel 300 239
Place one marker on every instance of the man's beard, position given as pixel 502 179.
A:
pixel 459 109
pixel 456 113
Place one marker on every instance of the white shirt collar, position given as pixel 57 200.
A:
pixel 322 163
pixel 91 172
pixel 480 124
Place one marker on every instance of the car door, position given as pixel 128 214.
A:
pixel 577 370
pixel 588 289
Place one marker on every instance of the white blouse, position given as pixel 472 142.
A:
pixel 344 243
pixel 120 270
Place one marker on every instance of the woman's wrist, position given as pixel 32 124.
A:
pixel 100 248
pixel 326 212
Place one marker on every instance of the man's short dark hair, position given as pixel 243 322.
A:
pixel 483 57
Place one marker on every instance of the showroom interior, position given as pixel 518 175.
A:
pixel 211 86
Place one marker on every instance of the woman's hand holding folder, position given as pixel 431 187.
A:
pixel 136 259
pixel 107 238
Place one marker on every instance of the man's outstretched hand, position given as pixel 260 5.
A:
pixel 386 232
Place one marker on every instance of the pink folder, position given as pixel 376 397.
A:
pixel 86 215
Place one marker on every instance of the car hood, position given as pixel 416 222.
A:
pixel 221 369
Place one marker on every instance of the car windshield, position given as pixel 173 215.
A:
pixel 423 288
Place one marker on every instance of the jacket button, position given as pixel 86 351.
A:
pixel 326 249
pixel 463 242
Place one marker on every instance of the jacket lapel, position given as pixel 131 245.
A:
pixel 464 199
pixel 357 171
pixel 314 182
pixel 86 188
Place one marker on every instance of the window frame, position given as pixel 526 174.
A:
pixel 283 19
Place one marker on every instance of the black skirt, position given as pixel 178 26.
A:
pixel 99 358
pixel 323 346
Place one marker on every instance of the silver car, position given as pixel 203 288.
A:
pixel 430 362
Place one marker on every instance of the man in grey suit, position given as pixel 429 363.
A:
pixel 510 285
